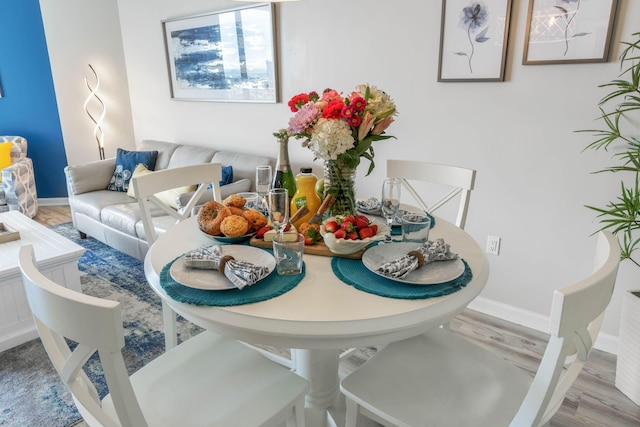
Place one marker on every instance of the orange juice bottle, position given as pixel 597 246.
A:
pixel 305 195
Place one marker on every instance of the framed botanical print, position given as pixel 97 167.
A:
pixel 473 40
pixel 568 31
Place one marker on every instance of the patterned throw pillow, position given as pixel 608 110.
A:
pixel 126 162
pixel 5 156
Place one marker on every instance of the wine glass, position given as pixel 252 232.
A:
pixel 390 202
pixel 263 182
pixel 278 203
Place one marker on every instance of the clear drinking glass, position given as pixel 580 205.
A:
pixel 390 202
pixel 264 175
pixel 278 204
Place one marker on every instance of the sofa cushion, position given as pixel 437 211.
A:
pixel 244 165
pixel 126 162
pixel 92 202
pixel 165 151
pixel 186 155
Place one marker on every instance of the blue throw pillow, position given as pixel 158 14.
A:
pixel 227 177
pixel 126 162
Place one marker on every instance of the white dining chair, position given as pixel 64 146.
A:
pixel 207 380
pixel 206 177
pixel 441 378
pixel 458 180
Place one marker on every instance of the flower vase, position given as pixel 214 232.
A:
pixel 340 182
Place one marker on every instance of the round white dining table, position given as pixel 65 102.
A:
pixel 321 315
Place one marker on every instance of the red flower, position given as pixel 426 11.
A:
pixel 354 121
pixel 298 101
pixel 358 104
pixel 333 110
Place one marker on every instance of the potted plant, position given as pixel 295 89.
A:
pixel 620 112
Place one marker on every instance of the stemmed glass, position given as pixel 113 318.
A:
pixel 263 182
pixel 278 203
pixel 390 202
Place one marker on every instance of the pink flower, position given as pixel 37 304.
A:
pixel 365 126
pixel 303 118
pixel 330 95
pixel 382 125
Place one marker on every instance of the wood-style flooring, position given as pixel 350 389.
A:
pixel 593 401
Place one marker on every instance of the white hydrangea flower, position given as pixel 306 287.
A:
pixel 330 138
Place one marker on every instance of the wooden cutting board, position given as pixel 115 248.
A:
pixel 318 249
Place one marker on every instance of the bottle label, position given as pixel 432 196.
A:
pixel 300 201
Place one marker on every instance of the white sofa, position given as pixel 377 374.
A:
pixel 18 186
pixel 113 217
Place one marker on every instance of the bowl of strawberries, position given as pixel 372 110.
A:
pixel 352 233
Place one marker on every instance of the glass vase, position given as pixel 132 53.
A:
pixel 340 182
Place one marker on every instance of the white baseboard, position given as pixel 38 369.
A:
pixel 54 201
pixel 536 321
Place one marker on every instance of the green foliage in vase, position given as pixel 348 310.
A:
pixel 620 110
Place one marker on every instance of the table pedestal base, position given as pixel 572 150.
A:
pixel 320 367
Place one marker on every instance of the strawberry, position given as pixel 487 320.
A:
pixel 353 235
pixel 366 232
pixel 361 223
pixel 374 228
pixel 260 233
pixel 331 226
pixel 348 226
pixel 362 217
pixel 308 241
pixel 349 218
pixel 340 234
pixel 287 227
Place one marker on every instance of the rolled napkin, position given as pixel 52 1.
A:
pixel 373 206
pixel 426 253
pixel 241 273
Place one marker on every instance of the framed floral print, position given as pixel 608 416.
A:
pixel 568 31
pixel 223 56
pixel 473 40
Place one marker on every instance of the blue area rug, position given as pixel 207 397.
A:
pixel 31 394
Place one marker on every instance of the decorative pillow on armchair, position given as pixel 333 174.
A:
pixel 5 156
pixel 126 162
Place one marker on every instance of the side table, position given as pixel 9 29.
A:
pixel 57 258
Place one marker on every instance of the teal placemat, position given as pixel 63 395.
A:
pixel 267 288
pixel 354 273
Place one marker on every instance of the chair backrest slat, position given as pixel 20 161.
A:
pixel 94 324
pixel 461 180
pixel 146 186
pixel 576 315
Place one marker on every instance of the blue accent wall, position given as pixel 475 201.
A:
pixel 28 107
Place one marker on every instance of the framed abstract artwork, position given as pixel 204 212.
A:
pixel 227 56
pixel 473 40
pixel 568 31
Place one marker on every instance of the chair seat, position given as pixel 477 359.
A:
pixel 469 386
pixel 206 382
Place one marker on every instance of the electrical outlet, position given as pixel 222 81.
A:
pixel 493 245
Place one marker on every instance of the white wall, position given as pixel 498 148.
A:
pixel 532 180
pixel 79 33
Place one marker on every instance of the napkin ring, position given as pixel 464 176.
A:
pixel 223 262
pixel 418 256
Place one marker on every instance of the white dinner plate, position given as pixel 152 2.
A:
pixel 199 278
pixel 429 274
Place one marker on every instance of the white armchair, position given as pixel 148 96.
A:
pixel 18 186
